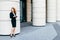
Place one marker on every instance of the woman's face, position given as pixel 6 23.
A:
pixel 12 10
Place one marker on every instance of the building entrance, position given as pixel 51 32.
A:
pixel 23 14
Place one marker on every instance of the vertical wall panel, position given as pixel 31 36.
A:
pixel 28 10
pixel 58 10
pixel 51 10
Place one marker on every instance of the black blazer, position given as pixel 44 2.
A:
pixel 11 15
pixel 13 19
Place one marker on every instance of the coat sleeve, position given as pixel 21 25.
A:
pixel 11 16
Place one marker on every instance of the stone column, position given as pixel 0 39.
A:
pixel 51 10
pixel 5 21
pixel 39 12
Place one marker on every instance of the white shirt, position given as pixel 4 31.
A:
pixel 14 14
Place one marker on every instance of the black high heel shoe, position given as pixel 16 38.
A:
pixel 11 35
pixel 14 35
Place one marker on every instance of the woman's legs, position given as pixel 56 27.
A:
pixel 13 31
pixel 13 27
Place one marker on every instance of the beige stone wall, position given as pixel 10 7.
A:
pixel 28 10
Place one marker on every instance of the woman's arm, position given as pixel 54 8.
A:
pixel 11 16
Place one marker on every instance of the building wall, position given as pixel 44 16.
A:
pixel 51 10
pixel 28 10
pixel 58 10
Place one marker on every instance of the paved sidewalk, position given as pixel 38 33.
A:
pixel 28 32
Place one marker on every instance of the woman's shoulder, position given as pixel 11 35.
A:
pixel 10 12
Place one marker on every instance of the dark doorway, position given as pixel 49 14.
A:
pixel 23 14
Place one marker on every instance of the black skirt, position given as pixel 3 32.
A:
pixel 13 22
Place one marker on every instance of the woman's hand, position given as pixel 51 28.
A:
pixel 14 16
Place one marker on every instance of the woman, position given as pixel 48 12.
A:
pixel 13 21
